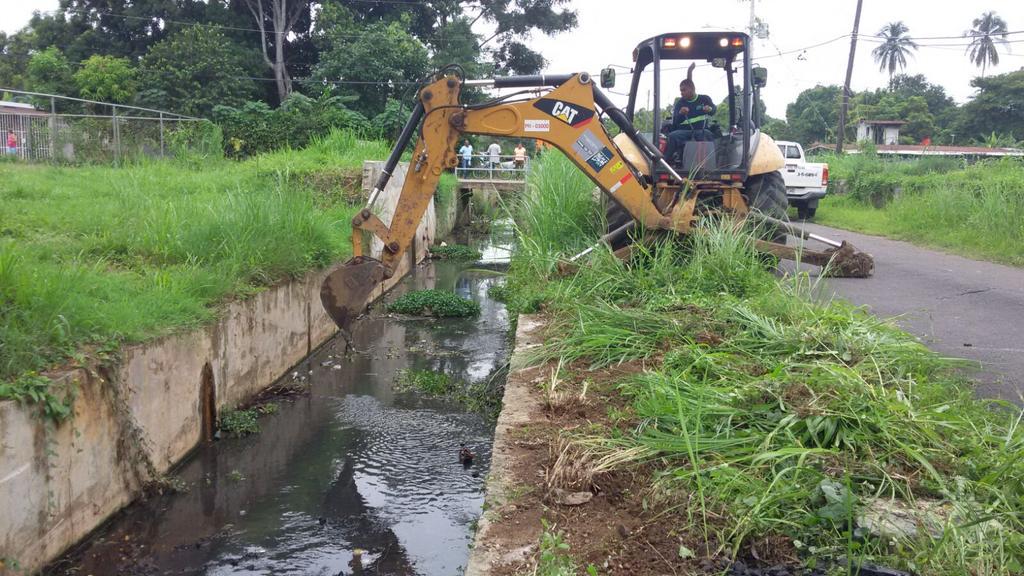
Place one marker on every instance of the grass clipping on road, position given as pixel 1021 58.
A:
pixel 766 413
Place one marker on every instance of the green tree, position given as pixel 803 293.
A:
pixel 515 21
pixel 278 21
pixel 905 86
pixel 814 113
pixel 50 72
pixel 15 52
pixel 194 70
pixel 380 60
pixel 390 121
pixel 505 50
pixel 128 28
pixel 107 79
pixel 777 128
pixel 896 46
pixel 997 107
pixel 986 31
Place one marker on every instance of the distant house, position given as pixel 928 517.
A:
pixel 880 132
pixel 31 126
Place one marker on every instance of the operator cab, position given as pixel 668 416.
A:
pixel 711 151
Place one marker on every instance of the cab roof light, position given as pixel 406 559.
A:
pixel 684 42
pixel 737 42
pixel 723 42
pixel 669 43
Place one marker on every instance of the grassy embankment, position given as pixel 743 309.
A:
pixel 977 211
pixel 97 256
pixel 762 414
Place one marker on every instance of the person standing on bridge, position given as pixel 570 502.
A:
pixel 494 153
pixel 466 152
pixel 520 156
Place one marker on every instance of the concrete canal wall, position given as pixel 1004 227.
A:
pixel 134 421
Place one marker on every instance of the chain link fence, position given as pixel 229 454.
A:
pixel 52 128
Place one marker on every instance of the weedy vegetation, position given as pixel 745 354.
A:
pixel 555 558
pixel 483 397
pixel 764 411
pixel 98 256
pixel 457 252
pixel 439 303
pixel 975 210
pixel 239 423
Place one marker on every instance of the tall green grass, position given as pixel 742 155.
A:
pixel 444 199
pixel 766 412
pixel 554 218
pixel 976 211
pixel 99 255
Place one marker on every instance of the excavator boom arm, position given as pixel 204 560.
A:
pixel 568 117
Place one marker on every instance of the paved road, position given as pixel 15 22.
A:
pixel 956 306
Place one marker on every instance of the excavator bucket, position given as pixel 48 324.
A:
pixel 848 262
pixel 345 290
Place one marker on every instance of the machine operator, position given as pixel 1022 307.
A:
pixel 691 115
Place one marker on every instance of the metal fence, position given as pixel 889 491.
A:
pixel 484 167
pixel 64 129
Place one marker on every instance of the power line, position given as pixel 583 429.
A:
pixel 162 20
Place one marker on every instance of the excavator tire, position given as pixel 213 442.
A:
pixel 615 216
pixel 766 193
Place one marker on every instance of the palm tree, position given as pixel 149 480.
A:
pixel 988 30
pixel 892 53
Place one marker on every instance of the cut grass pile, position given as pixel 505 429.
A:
pixel 100 255
pixel 764 412
pixel 439 303
pixel 976 211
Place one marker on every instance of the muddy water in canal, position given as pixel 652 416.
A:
pixel 354 465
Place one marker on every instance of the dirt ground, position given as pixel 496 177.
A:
pixel 626 527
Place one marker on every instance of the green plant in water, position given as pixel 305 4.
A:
pixel 239 423
pixel 268 408
pixel 482 397
pixel 429 381
pixel 455 252
pixel 439 303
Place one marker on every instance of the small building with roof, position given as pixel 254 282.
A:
pixel 879 132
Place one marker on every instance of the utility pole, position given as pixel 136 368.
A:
pixel 752 28
pixel 846 86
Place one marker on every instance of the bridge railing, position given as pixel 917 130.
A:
pixel 483 167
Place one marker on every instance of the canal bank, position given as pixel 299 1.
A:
pixel 138 415
pixel 356 471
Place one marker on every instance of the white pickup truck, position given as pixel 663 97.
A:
pixel 806 182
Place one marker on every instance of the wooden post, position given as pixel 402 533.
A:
pixel 846 86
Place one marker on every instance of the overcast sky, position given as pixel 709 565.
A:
pixel 609 30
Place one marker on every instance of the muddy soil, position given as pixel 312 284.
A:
pixel 350 474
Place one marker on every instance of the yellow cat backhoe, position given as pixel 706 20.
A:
pixel 724 169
